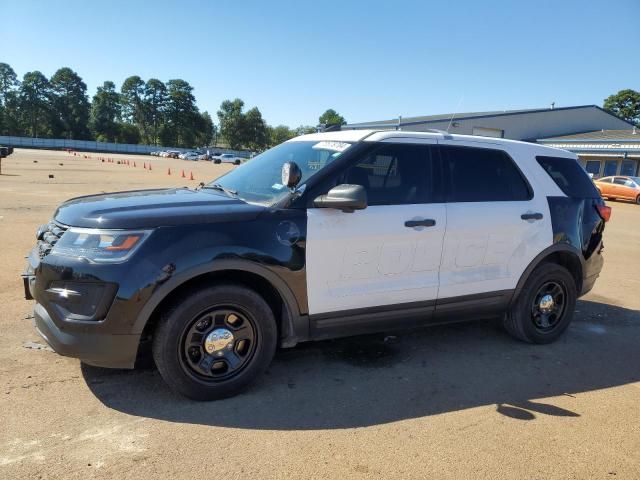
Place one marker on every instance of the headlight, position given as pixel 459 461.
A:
pixel 102 246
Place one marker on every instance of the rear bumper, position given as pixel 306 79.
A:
pixel 588 283
pixel 99 349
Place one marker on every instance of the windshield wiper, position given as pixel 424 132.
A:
pixel 217 186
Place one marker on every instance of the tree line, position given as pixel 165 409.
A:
pixel 625 104
pixel 149 112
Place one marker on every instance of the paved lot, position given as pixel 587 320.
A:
pixel 463 401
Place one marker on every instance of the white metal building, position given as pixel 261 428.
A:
pixel 606 144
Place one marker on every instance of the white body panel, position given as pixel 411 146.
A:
pixel 369 258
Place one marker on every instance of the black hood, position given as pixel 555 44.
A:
pixel 154 208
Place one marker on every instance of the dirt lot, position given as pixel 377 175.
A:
pixel 457 402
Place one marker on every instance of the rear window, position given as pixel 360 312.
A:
pixel 569 176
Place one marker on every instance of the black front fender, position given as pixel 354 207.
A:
pixel 297 324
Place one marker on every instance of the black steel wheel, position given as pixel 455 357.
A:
pixel 544 307
pixel 548 306
pixel 213 343
pixel 218 343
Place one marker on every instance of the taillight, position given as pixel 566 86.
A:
pixel 604 212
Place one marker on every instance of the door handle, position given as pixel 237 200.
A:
pixel 531 216
pixel 420 223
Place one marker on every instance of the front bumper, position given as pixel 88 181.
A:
pixel 99 349
pixel 83 327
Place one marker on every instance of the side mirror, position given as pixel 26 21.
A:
pixel 343 197
pixel 291 174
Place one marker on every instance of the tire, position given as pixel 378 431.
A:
pixel 638 200
pixel 237 162
pixel 525 320
pixel 205 370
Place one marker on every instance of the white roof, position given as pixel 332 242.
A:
pixel 338 136
pixel 382 135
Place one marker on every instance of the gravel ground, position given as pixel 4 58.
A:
pixel 462 401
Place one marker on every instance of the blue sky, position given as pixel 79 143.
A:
pixel 369 60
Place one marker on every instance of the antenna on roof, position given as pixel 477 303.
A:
pixel 454 113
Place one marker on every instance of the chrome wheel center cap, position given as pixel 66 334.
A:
pixel 218 340
pixel 546 303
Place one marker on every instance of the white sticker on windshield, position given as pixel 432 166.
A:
pixel 277 186
pixel 334 146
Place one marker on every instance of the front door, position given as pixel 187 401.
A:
pixel 388 253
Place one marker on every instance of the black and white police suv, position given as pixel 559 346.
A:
pixel 325 235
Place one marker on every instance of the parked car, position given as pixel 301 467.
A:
pixel 618 187
pixel 228 158
pixel 325 235
pixel 193 156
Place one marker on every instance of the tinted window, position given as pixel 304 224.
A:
pixel 482 175
pixel 394 174
pixel 569 176
pixel 620 181
pixel 606 180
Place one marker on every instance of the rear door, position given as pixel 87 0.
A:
pixel 389 253
pixel 496 225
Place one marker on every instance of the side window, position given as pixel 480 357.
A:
pixel 620 181
pixel 395 174
pixel 569 176
pixel 606 180
pixel 483 175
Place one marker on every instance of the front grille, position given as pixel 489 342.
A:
pixel 48 235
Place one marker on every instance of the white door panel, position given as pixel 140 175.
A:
pixel 488 246
pixel 370 258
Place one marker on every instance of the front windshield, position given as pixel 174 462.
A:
pixel 259 180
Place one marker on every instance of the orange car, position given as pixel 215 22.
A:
pixel 627 188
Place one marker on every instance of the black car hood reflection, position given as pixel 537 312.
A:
pixel 154 208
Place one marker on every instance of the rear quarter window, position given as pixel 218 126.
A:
pixel 569 176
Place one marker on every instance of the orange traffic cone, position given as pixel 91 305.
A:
pixel 168 171
pixel 183 175
pixel 191 177
pixel 144 165
pixel 134 163
pixel 149 166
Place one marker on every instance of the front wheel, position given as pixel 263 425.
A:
pixel 215 342
pixel 544 308
pixel 638 200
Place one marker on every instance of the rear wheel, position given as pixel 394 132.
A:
pixel 215 342
pixel 544 309
pixel 638 200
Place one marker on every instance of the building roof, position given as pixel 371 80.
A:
pixel 467 115
pixel 631 135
